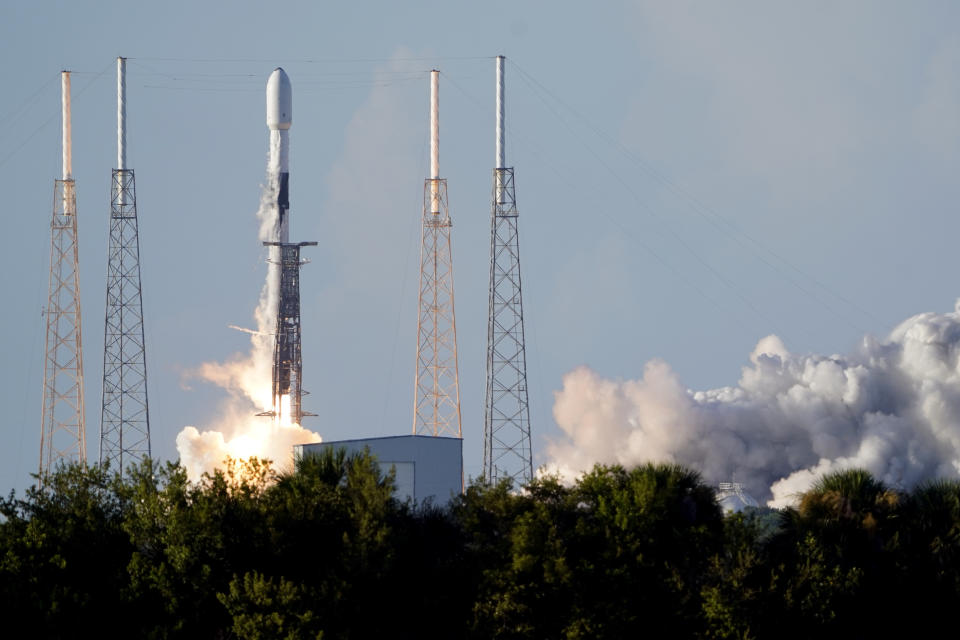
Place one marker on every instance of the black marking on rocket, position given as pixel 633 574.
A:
pixel 283 204
pixel 283 199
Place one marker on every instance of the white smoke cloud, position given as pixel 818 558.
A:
pixel 893 407
pixel 238 432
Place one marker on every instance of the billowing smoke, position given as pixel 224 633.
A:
pixel 238 433
pixel 892 407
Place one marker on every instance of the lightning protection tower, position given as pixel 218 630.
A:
pixel 436 409
pixel 62 432
pixel 124 415
pixel 506 421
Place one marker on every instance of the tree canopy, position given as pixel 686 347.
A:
pixel 327 551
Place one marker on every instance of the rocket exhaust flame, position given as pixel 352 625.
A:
pixel 239 433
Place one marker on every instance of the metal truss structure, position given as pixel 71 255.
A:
pixel 506 421
pixel 437 384
pixel 124 409
pixel 287 357
pixel 436 402
pixel 507 453
pixel 63 434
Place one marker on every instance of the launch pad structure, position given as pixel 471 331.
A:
pixel 287 356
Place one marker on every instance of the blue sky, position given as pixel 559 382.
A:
pixel 691 177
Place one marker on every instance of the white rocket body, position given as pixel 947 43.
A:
pixel 279 100
pixel 279 119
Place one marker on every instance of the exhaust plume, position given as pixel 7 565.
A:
pixel 892 407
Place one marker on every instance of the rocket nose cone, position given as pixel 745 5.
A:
pixel 279 100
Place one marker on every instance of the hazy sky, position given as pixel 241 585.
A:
pixel 691 177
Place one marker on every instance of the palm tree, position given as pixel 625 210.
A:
pixel 851 503
pixel 933 511
pixel 845 538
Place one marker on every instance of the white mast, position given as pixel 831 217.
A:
pixel 65 114
pixel 501 137
pixel 121 113
pixel 434 140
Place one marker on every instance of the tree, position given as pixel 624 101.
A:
pixel 644 539
pixel 619 553
pixel 191 540
pixel 63 551
pixel 736 594
pixel 333 524
pixel 836 559
pixel 516 546
pixel 263 608
pixel 930 562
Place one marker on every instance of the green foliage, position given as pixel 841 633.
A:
pixel 934 512
pixel 263 608
pixel 930 561
pixel 326 551
pixel 645 538
pixel 612 555
pixel 737 583
pixel 63 549
pixel 850 502
pixel 818 592
pixel 190 539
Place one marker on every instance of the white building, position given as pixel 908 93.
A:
pixel 427 467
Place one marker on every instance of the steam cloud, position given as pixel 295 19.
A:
pixel 893 407
pixel 238 433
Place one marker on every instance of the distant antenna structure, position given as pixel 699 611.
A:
pixel 506 434
pixel 436 410
pixel 63 434
pixel 124 414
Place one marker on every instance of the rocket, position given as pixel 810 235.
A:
pixel 279 100
pixel 283 272
pixel 279 119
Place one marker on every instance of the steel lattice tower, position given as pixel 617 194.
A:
pixel 287 357
pixel 506 421
pixel 436 409
pixel 62 431
pixel 124 415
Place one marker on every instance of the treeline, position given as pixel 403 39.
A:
pixel 325 551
